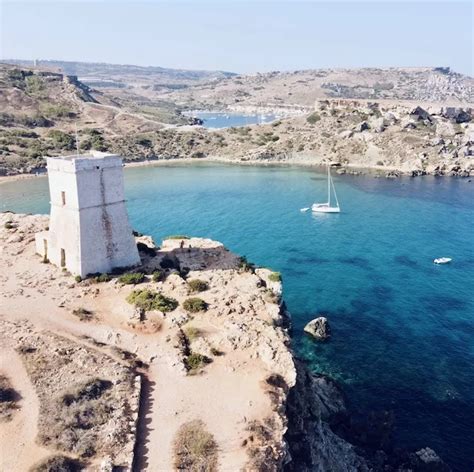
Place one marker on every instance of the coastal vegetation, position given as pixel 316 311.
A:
pixel 9 399
pixel 197 285
pixel 132 278
pixel 194 305
pixel 195 449
pixel 150 300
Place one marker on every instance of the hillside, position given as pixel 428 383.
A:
pixel 42 109
pixel 302 88
pixel 121 75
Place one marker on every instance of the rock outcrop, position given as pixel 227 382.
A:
pixel 318 328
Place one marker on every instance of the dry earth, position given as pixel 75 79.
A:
pixel 51 353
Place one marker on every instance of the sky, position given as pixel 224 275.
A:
pixel 242 36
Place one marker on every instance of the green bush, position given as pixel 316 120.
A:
pixel 197 285
pixel 149 300
pixel 158 276
pixel 78 278
pixel 195 361
pixel 62 140
pixel 313 118
pixel 9 225
pixel 275 277
pixel 194 305
pixel 132 278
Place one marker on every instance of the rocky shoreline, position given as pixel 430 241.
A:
pixel 279 416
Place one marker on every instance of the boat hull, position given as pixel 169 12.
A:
pixel 325 209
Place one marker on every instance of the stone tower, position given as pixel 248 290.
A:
pixel 89 230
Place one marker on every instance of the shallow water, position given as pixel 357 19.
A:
pixel 403 328
pixel 226 120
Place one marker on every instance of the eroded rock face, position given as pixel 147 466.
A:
pixel 318 328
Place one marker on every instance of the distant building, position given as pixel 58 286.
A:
pixel 89 230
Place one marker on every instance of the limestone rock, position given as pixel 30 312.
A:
pixel 318 328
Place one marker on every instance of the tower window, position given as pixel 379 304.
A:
pixel 63 198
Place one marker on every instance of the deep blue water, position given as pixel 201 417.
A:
pixel 403 328
pixel 226 120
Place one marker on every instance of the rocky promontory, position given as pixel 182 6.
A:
pixel 183 363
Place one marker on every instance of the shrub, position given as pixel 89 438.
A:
pixel 58 463
pixel 103 278
pixel 194 305
pixel 195 361
pixel 149 300
pixel 9 225
pixel 83 314
pixel 132 278
pixel 158 276
pixel 216 352
pixel 62 140
pixel 194 448
pixel 245 265
pixel 271 297
pixel 78 278
pixel 197 285
pixel 275 277
pixel 9 398
pixel 192 333
pixel 313 118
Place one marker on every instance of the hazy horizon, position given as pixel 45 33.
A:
pixel 242 36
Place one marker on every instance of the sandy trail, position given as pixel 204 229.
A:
pixel 24 423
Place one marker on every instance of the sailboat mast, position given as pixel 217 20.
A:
pixel 329 187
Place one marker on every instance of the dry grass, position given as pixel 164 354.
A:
pixel 58 464
pixel 195 449
pixel 9 398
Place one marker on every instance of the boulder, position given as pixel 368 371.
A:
pixel 419 113
pixel 378 125
pixel 458 115
pixel 318 328
pixel 362 127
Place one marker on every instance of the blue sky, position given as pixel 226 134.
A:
pixel 242 36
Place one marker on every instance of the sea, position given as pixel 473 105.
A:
pixel 402 327
pixel 212 119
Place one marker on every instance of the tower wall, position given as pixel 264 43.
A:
pixel 89 230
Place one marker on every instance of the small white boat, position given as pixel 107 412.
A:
pixel 326 207
pixel 442 260
pixel 304 209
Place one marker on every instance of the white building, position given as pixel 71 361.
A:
pixel 89 230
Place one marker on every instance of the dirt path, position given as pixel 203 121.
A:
pixel 15 454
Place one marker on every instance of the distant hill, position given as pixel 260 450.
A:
pixel 119 75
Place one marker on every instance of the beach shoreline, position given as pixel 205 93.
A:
pixel 352 169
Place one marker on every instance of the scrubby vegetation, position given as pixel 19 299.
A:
pixel 149 300
pixel 275 277
pixel 192 332
pixel 132 278
pixel 195 361
pixel 194 305
pixel 9 398
pixel 313 118
pixel 195 449
pixel 197 285
pixel 158 276
pixel 83 314
pixel 245 265
pixel 78 417
pixel 58 463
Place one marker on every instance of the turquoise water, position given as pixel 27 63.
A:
pixel 403 328
pixel 226 120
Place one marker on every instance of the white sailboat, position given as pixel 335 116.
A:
pixel 326 207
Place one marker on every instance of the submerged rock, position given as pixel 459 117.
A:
pixel 318 328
